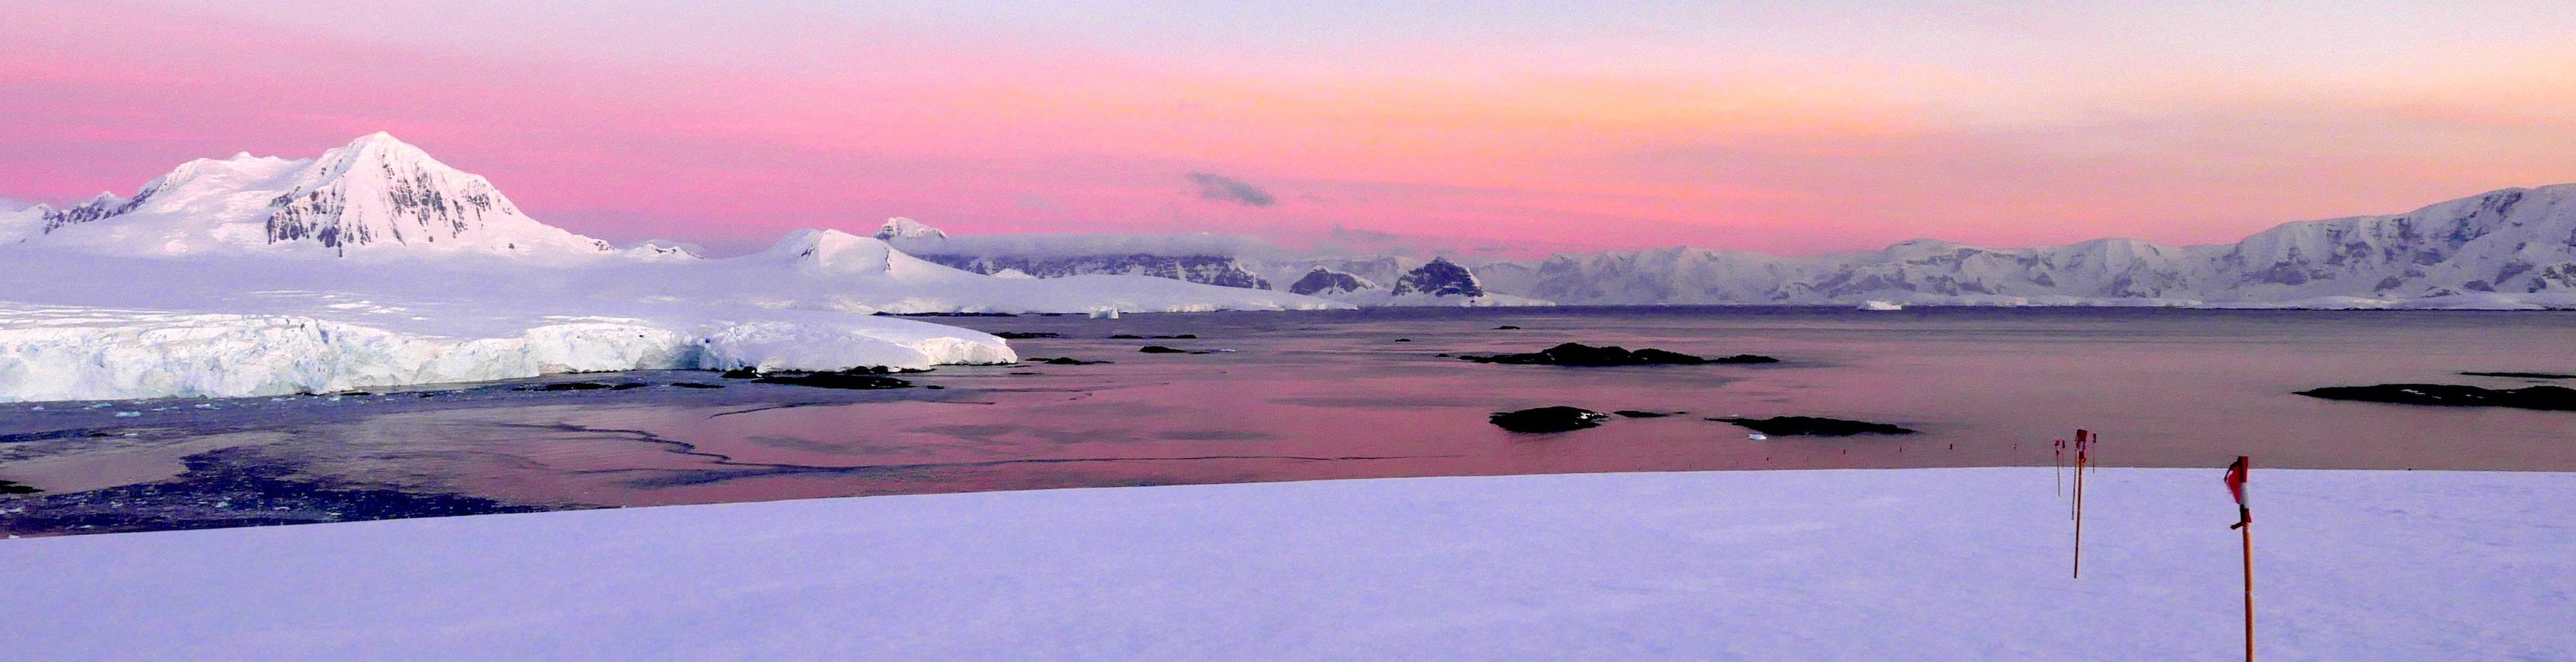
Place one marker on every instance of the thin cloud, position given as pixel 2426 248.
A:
pixel 1221 188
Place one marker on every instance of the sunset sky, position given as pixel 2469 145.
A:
pixel 1511 127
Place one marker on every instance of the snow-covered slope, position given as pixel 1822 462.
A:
pixel 376 194
pixel 1907 564
pixel 375 266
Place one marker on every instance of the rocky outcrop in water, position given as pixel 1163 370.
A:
pixel 862 379
pixel 1548 419
pixel 2550 398
pixel 1812 426
pixel 1581 355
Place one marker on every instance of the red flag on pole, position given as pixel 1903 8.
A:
pixel 2236 488
pixel 2244 524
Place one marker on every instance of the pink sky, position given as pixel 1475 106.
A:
pixel 1524 127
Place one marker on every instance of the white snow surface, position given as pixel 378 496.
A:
pixel 1932 564
pixel 79 325
pixel 377 266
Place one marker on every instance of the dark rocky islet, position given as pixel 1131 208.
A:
pixel 1548 419
pixel 1581 355
pixel 1026 335
pixel 2546 398
pixel 1812 426
pixel 860 380
pixel 1159 349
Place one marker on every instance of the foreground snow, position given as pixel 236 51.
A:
pixel 1872 564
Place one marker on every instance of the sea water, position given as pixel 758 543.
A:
pixel 1344 394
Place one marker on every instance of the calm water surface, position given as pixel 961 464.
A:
pixel 1312 395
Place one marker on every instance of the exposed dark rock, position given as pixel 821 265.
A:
pixel 1507 327
pixel 1025 335
pixel 1577 354
pixel 1185 336
pixel 2523 375
pixel 1404 340
pixel 1126 336
pixel 1631 413
pixel 697 385
pixel 1065 360
pixel 2551 398
pixel 7 487
pixel 860 379
pixel 1812 426
pixel 1548 419
pixel 627 386
pixel 1440 278
pixel 235 487
pixel 1028 373
pixel 1327 281
pixel 741 373
pixel 1159 349
pixel 563 386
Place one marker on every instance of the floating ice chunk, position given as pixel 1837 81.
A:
pixel 129 414
pixel 1757 436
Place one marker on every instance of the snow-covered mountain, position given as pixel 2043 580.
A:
pixel 2505 248
pixel 376 266
pixel 1435 283
pixel 1198 258
pixel 900 228
pixel 374 195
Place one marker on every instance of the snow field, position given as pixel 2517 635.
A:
pixel 1943 564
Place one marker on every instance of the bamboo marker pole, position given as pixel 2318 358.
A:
pixel 2082 439
pixel 2237 484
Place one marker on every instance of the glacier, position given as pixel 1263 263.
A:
pixel 375 266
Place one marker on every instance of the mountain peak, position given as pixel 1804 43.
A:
pixel 904 228
pixel 376 194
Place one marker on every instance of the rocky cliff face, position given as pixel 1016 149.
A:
pixel 1439 278
pixel 1322 281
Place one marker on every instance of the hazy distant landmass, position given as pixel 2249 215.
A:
pixel 2512 248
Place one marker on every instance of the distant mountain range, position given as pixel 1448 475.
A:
pixel 2502 246
pixel 377 195
pixel 2503 249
